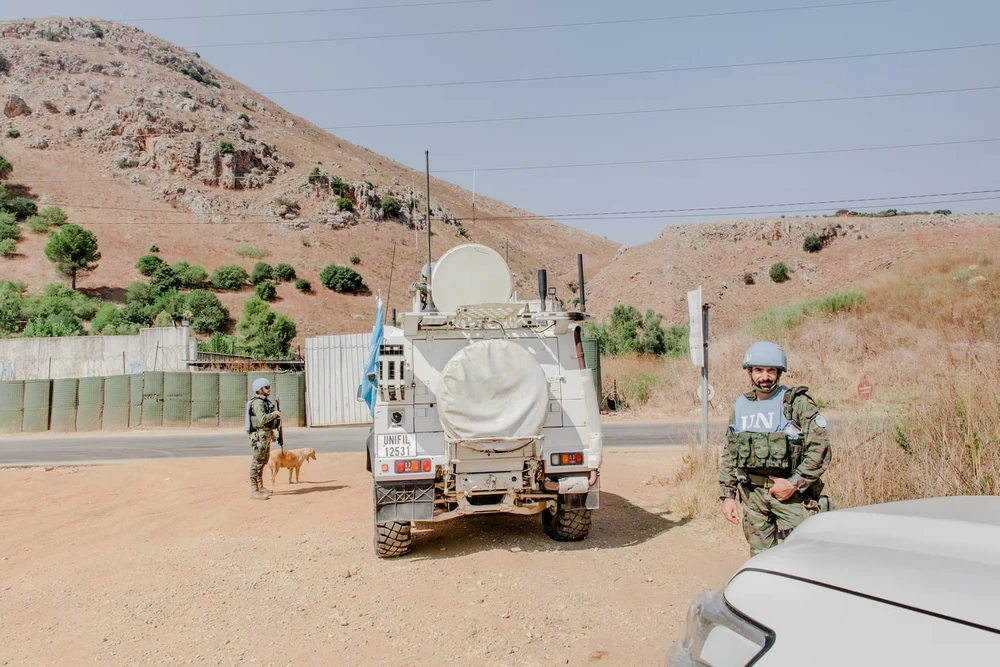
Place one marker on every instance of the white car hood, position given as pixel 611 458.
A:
pixel 940 555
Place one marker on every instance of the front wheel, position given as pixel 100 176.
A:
pixel 566 525
pixel 392 538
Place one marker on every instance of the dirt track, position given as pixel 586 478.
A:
pixel 171 563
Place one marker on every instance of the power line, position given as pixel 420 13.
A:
pixel 620 163
pixel 583 165
pixel 636 112
pixel 601 215
pixel 305 11
pixel 641 72
pixel 472 31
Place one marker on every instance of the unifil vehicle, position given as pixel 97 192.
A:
pixel 483 404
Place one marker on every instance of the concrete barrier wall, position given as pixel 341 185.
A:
pixel 155 349
pixel 148 400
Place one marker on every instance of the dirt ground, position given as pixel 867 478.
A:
pixel 170 563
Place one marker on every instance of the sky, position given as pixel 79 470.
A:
pixel 716 110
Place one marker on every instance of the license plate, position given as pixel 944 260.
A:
pixel 395 445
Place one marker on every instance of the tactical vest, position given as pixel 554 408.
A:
pixel 265 407
pixel 765 436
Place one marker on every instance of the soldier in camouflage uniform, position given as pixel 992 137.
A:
pixel 262 422
pixel 777 448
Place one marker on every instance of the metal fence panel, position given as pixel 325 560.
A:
pixel 177 399
pixel 286 390
pixel 205 399
pixel 152 398
pixel 232 398
pixel 65 399
pixel 117 399
pixel 135 400
pixel 334 365
pixel 89 416
pixel 37 394
pixel 11 406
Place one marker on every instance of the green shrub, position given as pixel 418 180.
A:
pixel 8 247
pixel 139 293
pixel 148 264
pixel 163 319
pixel 126 163
pixel 230 277
pixel 462 231
pixel 303 285
pixel 53 36
pixel 22 207
pixel 748 278
pixel 154 248
pixel 198 73
pixel 190 276
pixel 266 291
pixel 9 231
pixel 250 251
pixel 345 204
pixel 38 224
pixel 97 30
pixel 52 326
pixel 226 148
pixel 207 312
pixel 261 271
pixel 114 321
pixel 339 187
pixel 221 343
pixel 285 201
pixel 268 334
pixel 341 279
pixel 245 118
pixel 5 169
pixel 283 273
pixel 390 206
pixel 12 133
pixel 54 214
pixel 940 211
pixel 4 64
pixel 164 279
pixel 812 244
pixel 185 93
pixel 778 272
pixel 355 259
pixel 313 175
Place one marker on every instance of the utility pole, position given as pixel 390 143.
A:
pixel 704 376
pixel 427 170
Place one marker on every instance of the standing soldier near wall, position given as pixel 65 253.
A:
pixel 262 420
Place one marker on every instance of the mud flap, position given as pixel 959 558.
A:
pixel 404 501
pixel 590 500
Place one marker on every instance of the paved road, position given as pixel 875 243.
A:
pixel 100 447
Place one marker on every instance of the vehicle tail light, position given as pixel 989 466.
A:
pixel 567 459
pixel 412 465
pixel 718 635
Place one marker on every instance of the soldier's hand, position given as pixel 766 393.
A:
pixel 731 511
pixel 279 415
pixel 782 489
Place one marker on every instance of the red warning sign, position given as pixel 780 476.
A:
pixel 865 390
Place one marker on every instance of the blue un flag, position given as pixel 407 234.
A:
pixel 366 391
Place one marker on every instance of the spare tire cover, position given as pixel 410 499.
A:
pixel 490 389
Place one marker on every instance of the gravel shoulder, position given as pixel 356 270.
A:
pixel 170 563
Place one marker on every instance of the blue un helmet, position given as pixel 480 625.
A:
pixel 765 354
pixel 259 384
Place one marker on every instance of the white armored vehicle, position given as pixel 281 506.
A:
pixel 484 404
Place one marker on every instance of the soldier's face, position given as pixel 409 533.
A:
pixel 764 376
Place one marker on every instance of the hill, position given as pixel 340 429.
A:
pixel 731 260
pixel 141 142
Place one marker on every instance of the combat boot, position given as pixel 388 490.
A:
pixel 256 494
pixel 260 487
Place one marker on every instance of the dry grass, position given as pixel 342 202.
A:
pixel 928 338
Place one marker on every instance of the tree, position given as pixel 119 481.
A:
pixel 779 272
pixel 208 315
pixel 268 334
pixel 148 264
pixel 164 279
pixel 266 291
pixel 261 271
pixel 5 167
pixel 229 277
pixel 812 243
pixel 283 273
pixel 73 249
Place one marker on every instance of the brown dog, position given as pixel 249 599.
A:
pixel 291 459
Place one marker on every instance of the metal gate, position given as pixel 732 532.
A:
pixel 334 365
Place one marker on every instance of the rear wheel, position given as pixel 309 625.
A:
pixel 392 538
pixel 566 525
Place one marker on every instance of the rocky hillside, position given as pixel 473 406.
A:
pixel 731 261
pixel 141 142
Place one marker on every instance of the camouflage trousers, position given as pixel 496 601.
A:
pixel 767 521
pixel 258 460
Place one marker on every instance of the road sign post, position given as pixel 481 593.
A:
pixel 698 340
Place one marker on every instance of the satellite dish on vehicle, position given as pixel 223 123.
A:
pixel 470 274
